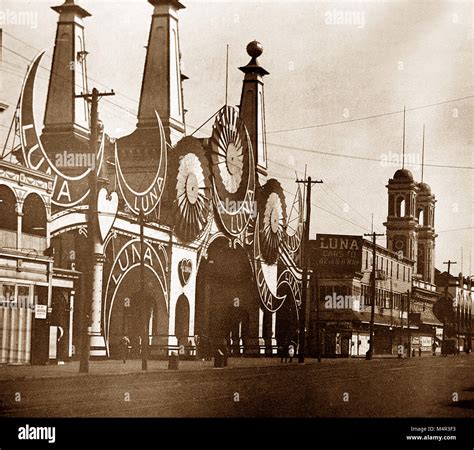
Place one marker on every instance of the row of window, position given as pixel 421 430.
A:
pixel 391 268
pixel 383 297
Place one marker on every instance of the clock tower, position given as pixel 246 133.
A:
pixel 401 221
pixel 425 211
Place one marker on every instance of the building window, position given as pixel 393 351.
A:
pixel 7 293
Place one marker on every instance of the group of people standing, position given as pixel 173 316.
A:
pixel 287 350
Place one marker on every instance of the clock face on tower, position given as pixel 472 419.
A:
pixel 399 246
pixel 190 189
pixel 233 171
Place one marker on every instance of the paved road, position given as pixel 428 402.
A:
pixel 419 387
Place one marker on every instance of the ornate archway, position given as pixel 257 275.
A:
pixel 227 302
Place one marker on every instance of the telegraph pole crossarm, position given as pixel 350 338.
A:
pixel 92 232
pixel 304 291
pixel 374 235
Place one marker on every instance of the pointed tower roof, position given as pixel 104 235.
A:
pixel 174 3
pixel 71 6
pixel 161 89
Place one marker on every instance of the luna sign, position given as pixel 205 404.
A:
pixel 148 199
pixel 337 253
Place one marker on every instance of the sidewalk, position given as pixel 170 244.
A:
pixel 116 367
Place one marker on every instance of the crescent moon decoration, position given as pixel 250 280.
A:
pixel 272 220
pixel 148 199
pixel 233 170
pixel 271 301
pixel 191 198
pixel 67 191
pixel 294 226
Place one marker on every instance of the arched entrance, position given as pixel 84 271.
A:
pixel 128 311
pixel 227 302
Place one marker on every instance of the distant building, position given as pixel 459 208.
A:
pixel 459 308
pixel 36 298
pixel 405 289
pixel 343 265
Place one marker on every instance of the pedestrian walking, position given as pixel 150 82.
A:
pixel 281 352
pixel 124 348
pixel 291 350
pixel 433 348
pixel 419 350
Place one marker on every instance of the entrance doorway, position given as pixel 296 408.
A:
pixel 127 313
pixel 227 302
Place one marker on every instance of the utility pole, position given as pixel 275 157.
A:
pixel 408 323
pixel 304 291
pixel 446 293
pixel 88 272
pixel 318 322
pixel 370 353
pixel 142 293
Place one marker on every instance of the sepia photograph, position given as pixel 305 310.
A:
pixel 236 224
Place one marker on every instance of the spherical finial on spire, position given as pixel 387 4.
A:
pixel 254 49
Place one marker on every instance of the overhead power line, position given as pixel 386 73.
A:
pixel 358 119
pixel 363 158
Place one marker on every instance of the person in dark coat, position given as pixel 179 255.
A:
pixel 124 348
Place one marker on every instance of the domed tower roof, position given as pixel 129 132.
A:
pixel 424 188
pixel 403 175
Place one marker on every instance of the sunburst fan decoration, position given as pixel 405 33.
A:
pixel 294 229
pixel 233 172
pixel 190 189
pixel 272 217
pixel 230 154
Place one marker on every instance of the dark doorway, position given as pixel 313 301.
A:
pixel 227 302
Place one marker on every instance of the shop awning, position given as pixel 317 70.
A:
pixel 428 318
pixel 348 315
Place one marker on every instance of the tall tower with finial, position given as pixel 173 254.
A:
pixel 66 118
pixel 252 106
pixel 162 79
pixel 401 221
pixel 425 212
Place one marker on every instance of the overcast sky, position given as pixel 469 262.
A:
pixel 328 62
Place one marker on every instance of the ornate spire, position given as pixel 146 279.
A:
pixel 162 78
pixel 252 105
pixel 64 112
